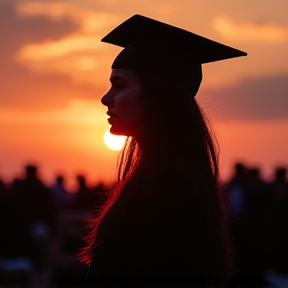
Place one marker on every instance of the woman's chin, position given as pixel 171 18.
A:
pixel 117 132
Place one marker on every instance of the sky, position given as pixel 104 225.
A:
pixel 54 70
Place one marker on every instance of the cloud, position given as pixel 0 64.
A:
pixel 78 57
pixel 17 31
pixel 79 54
pixel 54 49
pixel 78 112
pixel 263 98
pixel 21 87
pixel 250 32
pixel 89 20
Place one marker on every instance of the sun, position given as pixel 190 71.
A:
pixel 114 142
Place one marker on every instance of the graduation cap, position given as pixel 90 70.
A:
pixel 165 50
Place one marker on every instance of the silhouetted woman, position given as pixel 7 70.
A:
pixel 162 225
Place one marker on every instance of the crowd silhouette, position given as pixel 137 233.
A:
pixel 259 222
pixel 41 229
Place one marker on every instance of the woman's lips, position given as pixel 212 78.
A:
pixel 109 113
pixel 111 118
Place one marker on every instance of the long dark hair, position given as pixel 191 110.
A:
pixel 176 133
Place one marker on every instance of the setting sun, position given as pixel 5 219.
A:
pixel 114 142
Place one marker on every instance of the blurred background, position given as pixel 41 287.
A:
pixel 54 70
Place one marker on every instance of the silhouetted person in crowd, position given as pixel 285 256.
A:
pixel 17 251
pixel 237 196
pixel 237 193
pixel 255 225
pixel 62 197
pixel 16 238
pixel 279 186
pixel 248 204
pixel 38 200
pixel 277 231
pixel 162 225
pixel 38 209
pixel 83 196
pixel 3 194
pixel 2 188
pixel 257 201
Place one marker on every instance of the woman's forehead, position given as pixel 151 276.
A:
pixel 123 74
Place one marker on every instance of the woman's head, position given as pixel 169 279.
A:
pixel 125 103
pixel 147 107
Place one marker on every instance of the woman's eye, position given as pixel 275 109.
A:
pixel 119 86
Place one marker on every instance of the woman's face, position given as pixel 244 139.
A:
pixel 125 103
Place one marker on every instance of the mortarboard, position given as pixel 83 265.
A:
pixel 165 50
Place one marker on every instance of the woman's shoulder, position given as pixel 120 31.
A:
pixel 163 168
pixel 167 184
pixel 167 174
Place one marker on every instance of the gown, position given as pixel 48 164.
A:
pixel 162 232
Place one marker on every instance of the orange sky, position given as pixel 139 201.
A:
pixel 54 70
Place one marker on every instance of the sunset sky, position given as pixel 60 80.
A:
pixel 54 70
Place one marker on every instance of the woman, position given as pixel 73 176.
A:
pixel 162 225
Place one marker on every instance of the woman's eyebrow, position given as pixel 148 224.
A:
pixel 115 78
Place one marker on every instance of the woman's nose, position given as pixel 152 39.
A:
pixel 107 99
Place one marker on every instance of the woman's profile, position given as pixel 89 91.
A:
pixel 162 225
